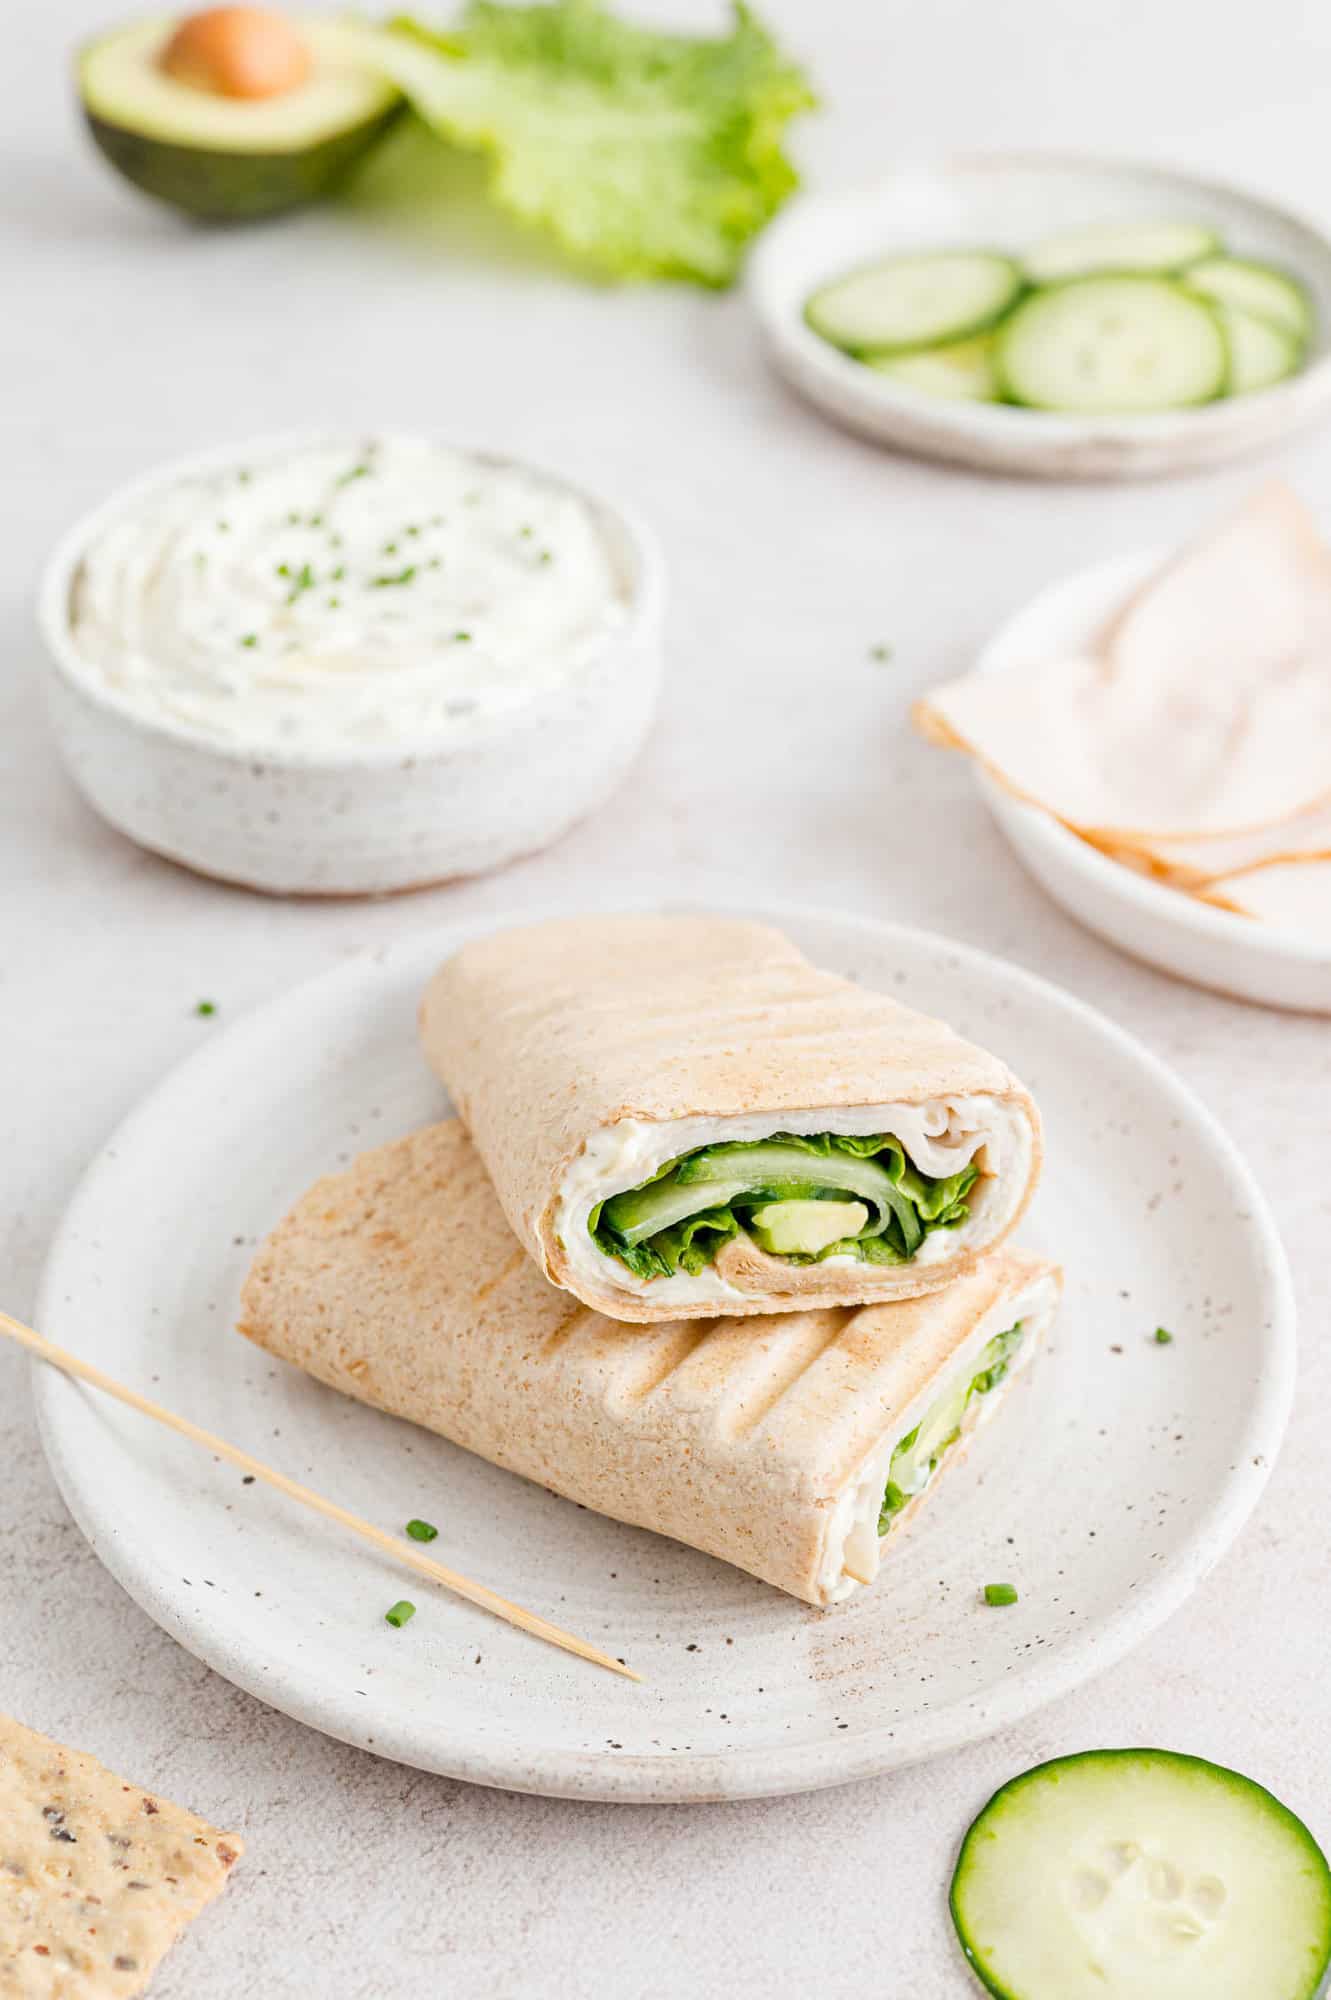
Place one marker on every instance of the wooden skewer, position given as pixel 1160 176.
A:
pixel 462 1586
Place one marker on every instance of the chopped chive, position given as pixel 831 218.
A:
pixel 545 556
pixel 356 472
pixel 435 562
pixel 400 1612
pixel 526 531
pixel 316 520
pixel 999 1593
pixel 339 572
pixel 421 1531
pixel 284 569
pixel 462 638
pixel 894 1499
pixel 334 603
pixel 1163 1336
pixel 389 549
pixel 206 1007
pixel 250 639
pixel 880 652
pixel 387 582
pixel 411 529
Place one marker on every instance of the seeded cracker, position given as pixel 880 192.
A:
pixel 97 1878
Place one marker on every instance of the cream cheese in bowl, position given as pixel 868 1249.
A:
pixel 384 592
pixel 303 624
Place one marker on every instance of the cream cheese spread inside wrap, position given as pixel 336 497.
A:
pixel 682 1116
pixel 797 1451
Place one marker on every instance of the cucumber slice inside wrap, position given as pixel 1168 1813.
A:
pixel 902 303
pixel 1140 246
pixel 1260 352
pixel 1142 1875
pixel 1255 288
pixel 1112 346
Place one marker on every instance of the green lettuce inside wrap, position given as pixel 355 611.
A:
pixel 919 1454
pixel 800 1197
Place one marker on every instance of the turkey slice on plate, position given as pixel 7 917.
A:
pixel 1195 864
pixel 1293 896
pixel 1202 709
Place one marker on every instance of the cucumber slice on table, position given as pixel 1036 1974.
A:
pixel 1115 246
pixel 1142 1875
pixel 1254 288
pixel 963 370
pixel 1111 345
pixel 918 301
pixel 1260 352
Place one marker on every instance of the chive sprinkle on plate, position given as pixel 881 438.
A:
pixel 400 1612
pixel 1000 1593
pixel 205 1007
pixel 421 1531
pixel 1163 1336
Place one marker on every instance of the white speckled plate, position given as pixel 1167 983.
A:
pixel 1011 200
pixel 1117 1475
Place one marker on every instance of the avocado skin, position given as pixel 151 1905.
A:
pixel 219 186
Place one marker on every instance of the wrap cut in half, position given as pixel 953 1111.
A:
pixel 681 1116
pixel 796 1452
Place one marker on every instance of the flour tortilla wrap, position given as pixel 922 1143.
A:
pixel 583 1055
pixel 399 1282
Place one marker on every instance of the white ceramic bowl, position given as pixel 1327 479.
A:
pixel 1011 200
pixel 1167 928
pixel 356 820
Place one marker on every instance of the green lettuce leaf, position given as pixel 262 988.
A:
pixel 647 154
pixel 942 1423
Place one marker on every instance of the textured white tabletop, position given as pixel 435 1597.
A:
pixel 781 766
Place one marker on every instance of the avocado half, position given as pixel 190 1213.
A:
pixel 225 158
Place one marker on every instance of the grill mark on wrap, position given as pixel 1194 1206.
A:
pixel 567 1326
pixel 797 1351
pixel 669 1347
pixel 501 1277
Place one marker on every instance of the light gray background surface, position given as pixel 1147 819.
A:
pixel 781 766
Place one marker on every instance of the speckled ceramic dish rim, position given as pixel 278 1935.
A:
pixel 328 1705
pixel 629 538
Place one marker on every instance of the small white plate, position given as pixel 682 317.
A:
pixel 1117 1476
pixel 1010 201
pixel 1171 930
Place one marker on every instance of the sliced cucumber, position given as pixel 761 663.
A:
pixel 1255 288
pixel 963 370
pixel 1260 352
pixel 1112 345
pixel 1115 246
pixel 1140 1874
pixel 906 302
